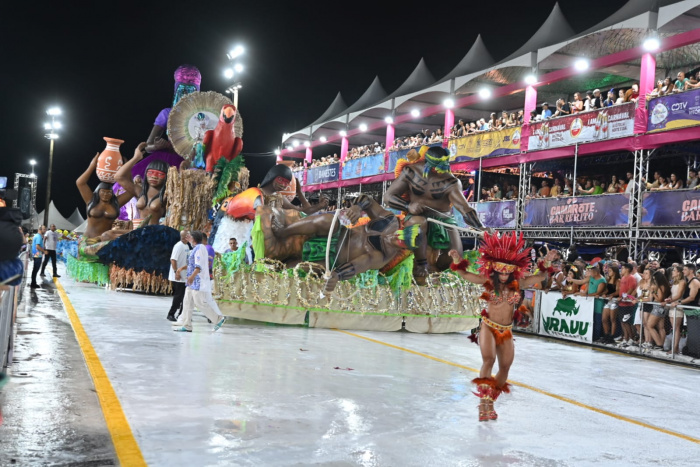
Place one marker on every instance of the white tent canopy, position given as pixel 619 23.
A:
pixel 55 217
pixel 76 218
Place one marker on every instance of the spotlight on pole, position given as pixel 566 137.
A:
pixel 323 139
pixel 307 144
pixel 448 103
pixel 238 67
pixel 277 152
pixel 295 143
pixel 581 64
pixel 484 93
pixel 54 111
pixel 235 52
pixel 343 133
pixel 48 126
pixel 530 80
pixel 228 73
pixel 651 43
pixel 415 113
pixel 363 127
pixel 389 120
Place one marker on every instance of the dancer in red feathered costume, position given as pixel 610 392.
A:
pixel 504 261
pixel 222 140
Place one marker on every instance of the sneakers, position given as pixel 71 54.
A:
pixel 631 342
pixel 618 339
pixel 219 324
pixel 646 345
pixel 181 329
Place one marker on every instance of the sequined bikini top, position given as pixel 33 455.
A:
pixel 494 298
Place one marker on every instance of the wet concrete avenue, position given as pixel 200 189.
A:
pixel 51 412
pixel 255 395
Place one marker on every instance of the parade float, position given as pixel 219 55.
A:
pixel 364 267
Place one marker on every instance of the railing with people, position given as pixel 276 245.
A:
pixel 580 319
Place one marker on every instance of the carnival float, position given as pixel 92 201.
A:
pixel 365 266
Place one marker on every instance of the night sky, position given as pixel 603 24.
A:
pixel 110 66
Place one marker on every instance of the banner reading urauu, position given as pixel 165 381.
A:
pixel 569 318
pixel 596 125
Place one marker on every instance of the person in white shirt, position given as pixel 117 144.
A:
pixel 198 292
pixel 178 261
pixel 50 243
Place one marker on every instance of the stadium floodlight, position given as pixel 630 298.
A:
pixel 581 64
pixel 415 113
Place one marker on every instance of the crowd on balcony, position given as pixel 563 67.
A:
pixel 667 86
pixel 589 185
pixel 363 151
pixel 327 160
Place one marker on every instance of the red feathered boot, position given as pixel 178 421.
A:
pixel 495 392
pixel 484 390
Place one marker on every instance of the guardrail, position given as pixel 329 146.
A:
pixel 10 296
pixel 579 319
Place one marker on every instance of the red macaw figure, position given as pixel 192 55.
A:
pixel 222 140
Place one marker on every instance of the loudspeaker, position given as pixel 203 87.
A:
pixel 25 202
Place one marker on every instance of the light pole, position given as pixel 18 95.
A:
pixel 235 68
pixel 33 163
pixel 53 112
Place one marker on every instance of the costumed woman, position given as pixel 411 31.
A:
pixel 151 202
pixel 503 263
pixel 102 210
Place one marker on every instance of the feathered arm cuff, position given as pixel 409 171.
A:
pixel 542 266
pixel 461 266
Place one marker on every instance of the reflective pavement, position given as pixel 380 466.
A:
pixel 256 395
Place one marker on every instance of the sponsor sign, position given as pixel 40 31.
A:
pixel 324 174
pixel 496 214
pixel 599 210
pixel 596 125
pixel 674 111
pixel 569 318
pixel 364 166
pixel 671 207
pixel 489 144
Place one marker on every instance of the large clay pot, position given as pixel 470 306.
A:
pixel 110 160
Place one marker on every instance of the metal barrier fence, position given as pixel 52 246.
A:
pixel 10 296
pixel 579 319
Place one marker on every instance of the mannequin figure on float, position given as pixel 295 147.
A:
pixel 151 202
pixel 425 188
pixel 187 80
pixel 102 210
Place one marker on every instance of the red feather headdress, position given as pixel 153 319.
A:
pixel 504 254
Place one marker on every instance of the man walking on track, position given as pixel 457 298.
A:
pixel 50 243
pixel 37 253
pixel 178 261
pixel 198 292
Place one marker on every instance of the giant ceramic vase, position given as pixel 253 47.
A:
pixel 110 160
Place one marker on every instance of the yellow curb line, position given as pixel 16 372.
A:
pixel 527 386
pixel 125 444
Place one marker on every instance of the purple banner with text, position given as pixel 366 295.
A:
pixel 601 210
pixel 496 214
pixel 674 111
pixel 671 207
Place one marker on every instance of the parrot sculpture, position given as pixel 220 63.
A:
pixel 222 140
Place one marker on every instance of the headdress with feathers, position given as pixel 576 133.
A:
pixel 504 254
